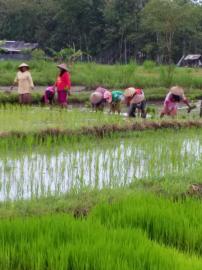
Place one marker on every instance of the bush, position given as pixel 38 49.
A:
pixel 38 54
pixel 148 65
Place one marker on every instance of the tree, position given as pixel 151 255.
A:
pixel 165 18
pixel 122 26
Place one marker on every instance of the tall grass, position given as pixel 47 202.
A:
pixel 112 76
pixel 43 121
pixel 175 224
pixel 22 118
pixel 60 242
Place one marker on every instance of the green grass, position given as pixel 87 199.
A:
pixel 141 231
pixel 33 119
pixel 16 118
pixel 142 223
pixel 111 76
pixel 150 223
pixel 175 224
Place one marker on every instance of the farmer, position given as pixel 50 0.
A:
pixel 63 85
pixel 25 84
pixel 115 100
pixel 48 96
pixel 135 100
pixel 99 98
pixel 173 98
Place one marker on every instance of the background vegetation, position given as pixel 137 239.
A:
pixel 107 31
pixel 147 76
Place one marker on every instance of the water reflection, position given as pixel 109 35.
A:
pixel 36 174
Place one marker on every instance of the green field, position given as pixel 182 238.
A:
pixel 118 202
pixel 139 232
pixel 85 190
pixel 155 79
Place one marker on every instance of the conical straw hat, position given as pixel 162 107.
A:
pixel 23 65
pixel 95 98
pixel 129 92
pixel 177 90
pixel 63 66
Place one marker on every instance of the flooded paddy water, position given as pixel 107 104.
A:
pixel 97 163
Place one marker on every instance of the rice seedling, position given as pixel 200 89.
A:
pixel 64 165
pixel 60 242
pixel 175 224
pixel 49 157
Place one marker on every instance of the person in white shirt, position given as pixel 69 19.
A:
pixel 25 84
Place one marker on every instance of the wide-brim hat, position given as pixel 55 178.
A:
pixel 177 90
pixel 63 66
pixel 23 65
pixel 108 96
pixel 95 98
pixel 129 92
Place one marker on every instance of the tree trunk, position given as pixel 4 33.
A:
pixel 201 109
pixel 125 50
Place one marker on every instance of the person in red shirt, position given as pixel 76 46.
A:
pixel 63 85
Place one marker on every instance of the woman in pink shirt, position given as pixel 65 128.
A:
pixel 173 98
pixel 63 85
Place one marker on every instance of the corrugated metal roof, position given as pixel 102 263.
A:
pixel 192 57
pixel 17 46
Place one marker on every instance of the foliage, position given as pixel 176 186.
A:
pixel 109 31
pixel 38 54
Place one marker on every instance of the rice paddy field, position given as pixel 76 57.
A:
pixel 81 190
pixel 85 190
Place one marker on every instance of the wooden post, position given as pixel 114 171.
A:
pixel 201 109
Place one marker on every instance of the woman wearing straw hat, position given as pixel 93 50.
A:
pixel 173 98
pixel 114 99
pixel 135 99
pixel 25 84
pixel 63 85
pixel 99 98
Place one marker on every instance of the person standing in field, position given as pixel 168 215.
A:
pixel 173 98
pixel 25 84
pixel 114 99
pixel 99 98
pixel 63 85
pixel 135 100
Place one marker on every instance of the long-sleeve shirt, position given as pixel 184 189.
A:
pixel 171 103
pixel 24 81
pixel 138 97
pixel 117 95
pixel 63 82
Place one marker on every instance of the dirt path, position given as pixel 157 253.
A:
pixel 38 88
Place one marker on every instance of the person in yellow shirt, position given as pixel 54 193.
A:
pixel 25 84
